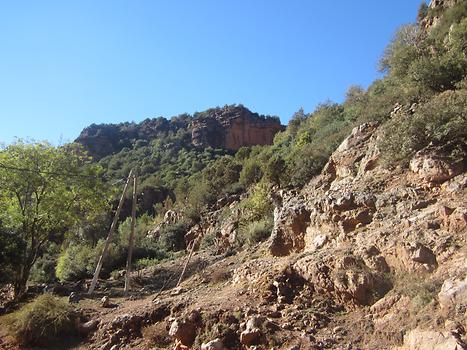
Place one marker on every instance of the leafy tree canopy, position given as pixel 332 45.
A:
pixel 44 191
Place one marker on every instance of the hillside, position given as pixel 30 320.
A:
pixel 347 229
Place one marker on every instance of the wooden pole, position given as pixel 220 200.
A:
pixel 193 243
pixel 109 236
pixel 131 239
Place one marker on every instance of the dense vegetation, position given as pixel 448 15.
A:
pixel 425 74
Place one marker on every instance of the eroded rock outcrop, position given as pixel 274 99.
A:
pixel 342 219
pixel 232 128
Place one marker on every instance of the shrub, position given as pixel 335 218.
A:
pixel 258 205
pixel 451 16
pixel 76 262
pixel 401 51
pixel 145 263
pixel 157 335
pixel 172 237
pixel 43 270
pixel 439 121
pixel 439 72
pixel 40 321
pixel 251 173
pixel 275 169
pixel 256 231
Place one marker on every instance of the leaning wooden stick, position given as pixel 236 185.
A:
pixel 132 239
pixel 193 243
pixel 109 236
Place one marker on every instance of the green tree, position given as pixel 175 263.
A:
pixel 44 191
pixel 275 169
pixel 401 51
pixel 422 11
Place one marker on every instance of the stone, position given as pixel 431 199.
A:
pixel 423 255
pixel 319 241
pixel 384 304
pixel 250 337
pixel 456 222
pixel 177 291
pixel 105 301
pixel 288 234
pixel 418 339
pixel 215 344
pixel 453 292
pixel 87 327
pixel 73 297
pixel 183 331
pixel 433 168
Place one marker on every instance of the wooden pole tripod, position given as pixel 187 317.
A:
pixel 109 236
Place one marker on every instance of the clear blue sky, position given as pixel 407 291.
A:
pixel 67 64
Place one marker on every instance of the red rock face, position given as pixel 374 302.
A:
pixel 245 132
pixel 234 127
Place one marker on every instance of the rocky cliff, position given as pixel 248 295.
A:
pixel 230 127
pixel 233 127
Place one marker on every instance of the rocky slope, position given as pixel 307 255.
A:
pixel 364 257
pixel 367 255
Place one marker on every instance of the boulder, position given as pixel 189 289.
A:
pixel 433 168
pixel 183 331
pixel 456 222
pixel 290 224
pixel 215 344
pixel 87 327
pixel 105 301
pixel 453 292
pixel 73 297
pixel 423 255
pixel 250 336
pixel 418 339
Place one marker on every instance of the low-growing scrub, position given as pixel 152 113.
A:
pixel 439 121
pixel 157 335
pixel 41 321
pixel 256 231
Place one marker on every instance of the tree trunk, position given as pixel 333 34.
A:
pixel 20 283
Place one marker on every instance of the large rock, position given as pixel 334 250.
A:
pixel 434 168
pixel 215 344
pixel 290 224
pixel 347 279
pixel 252 334
pixel 183 331
pixel 453 293
pixel 418 339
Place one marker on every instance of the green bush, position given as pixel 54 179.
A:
pixel 439 121
pixel 454 15
pixel 145 263
pixel 76 262
pixel 251 173
pixel 40 321
pixel 258 205
pixel 439 72
pixel 256 231
pixel 172 237
pixel 43 270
